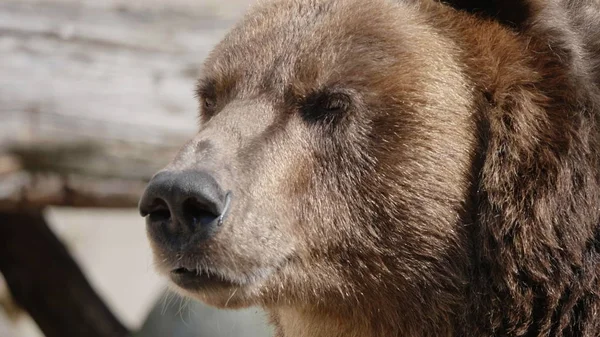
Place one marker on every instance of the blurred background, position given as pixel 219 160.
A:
pixel 95 96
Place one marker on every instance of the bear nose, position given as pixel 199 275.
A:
pixel 183 207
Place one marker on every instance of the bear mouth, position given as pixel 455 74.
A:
pixel 198 279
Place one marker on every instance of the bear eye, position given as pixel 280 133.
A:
pixel 327 107
pixel 206 92
pixel 208 106
pixel 209 103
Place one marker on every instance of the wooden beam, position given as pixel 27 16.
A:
pixel 25 190
pixel 93 158
pixel 78 174
pixel 46 281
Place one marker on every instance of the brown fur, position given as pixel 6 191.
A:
pixel 452 190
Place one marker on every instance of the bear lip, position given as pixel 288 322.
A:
pixel 183 270
pixel 198 279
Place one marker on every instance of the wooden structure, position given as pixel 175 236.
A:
pixel 93 101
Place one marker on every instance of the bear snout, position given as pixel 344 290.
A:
pixel 183 208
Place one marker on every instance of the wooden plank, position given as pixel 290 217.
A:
pixel 47 282
pixel 99 159
pixel 226 9
pixel 72 71
pixel 95 98
pixel 83 174
pixel 26 190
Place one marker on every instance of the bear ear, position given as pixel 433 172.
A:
pixel 513 13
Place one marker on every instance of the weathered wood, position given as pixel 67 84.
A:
pixel 78 174
pixel 75 71
pixel 98 159
pixel 46 281
pixel 95 99
pixel 26 190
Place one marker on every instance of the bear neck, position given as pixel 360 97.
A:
pixel 318 322
pixel 291 322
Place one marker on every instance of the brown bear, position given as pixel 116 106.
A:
pixel 394 168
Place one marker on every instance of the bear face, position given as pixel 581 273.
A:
pixel 370 168
pixel 296 120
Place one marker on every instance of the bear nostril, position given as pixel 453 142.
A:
pixel 159 211
pixel 183 208
pixel 198 213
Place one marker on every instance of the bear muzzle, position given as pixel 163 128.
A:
pixel 183 208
